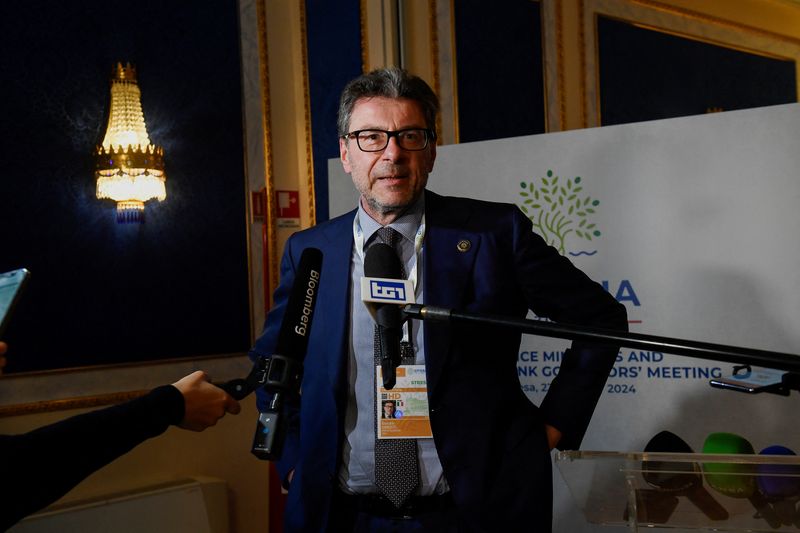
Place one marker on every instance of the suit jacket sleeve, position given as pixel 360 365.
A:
pixel 557 290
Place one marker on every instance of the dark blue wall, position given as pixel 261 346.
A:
pixel 334 58
pixel 499 68
pixel 101 292
pixel 648 75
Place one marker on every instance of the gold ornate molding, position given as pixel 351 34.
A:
pixel 434 39
pixel 270 216
pixel 702 17
pixel 583 73
pixel 561 76
pixel 312 205
pixel 362 20
pixel 83 402
pixel 91 386
pixel 454 73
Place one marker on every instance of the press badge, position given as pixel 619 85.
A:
pixel 403 411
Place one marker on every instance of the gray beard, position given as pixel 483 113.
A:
pixel 384 210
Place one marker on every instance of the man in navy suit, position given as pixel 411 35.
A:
pixel 482 468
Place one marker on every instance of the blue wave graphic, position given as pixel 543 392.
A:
pixel 576 254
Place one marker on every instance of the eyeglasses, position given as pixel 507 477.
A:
pixel 413 139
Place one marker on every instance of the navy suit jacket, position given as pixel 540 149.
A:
pixel 489 437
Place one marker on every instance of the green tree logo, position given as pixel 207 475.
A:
pixel 557 209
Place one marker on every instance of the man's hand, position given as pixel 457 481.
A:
pixel 204 403
pixel 553 436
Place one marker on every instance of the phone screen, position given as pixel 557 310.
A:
pixel 11 285
pixel 752 380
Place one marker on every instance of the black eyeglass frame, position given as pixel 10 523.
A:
pixel 429 134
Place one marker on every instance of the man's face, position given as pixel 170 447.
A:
pixel 394 178
pixel 388 408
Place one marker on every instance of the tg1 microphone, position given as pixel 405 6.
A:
pixel 381 261
pixel 282 372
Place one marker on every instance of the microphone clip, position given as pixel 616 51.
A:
pixel 277 373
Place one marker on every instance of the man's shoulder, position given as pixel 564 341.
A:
pixel 466 202
pixel 340 224
pixel 469 208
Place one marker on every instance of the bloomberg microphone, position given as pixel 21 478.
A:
pixel 381 261
pixel 284 370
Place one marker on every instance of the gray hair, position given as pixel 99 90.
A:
pixel 390 82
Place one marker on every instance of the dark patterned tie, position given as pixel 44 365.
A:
pixel 396 463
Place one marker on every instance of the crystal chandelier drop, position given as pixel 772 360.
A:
pixel 129 170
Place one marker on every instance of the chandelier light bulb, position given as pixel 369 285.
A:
pixel 128 169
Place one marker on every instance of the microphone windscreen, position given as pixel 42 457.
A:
pixel 736 479
pixel 680 477
pixel 381 261
pixel 730 479
pixel 666 441
pixel 778 481
pixel 669 475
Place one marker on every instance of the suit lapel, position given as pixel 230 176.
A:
pixel 449 259
pixel 337 250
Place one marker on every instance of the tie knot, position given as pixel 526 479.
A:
pixel 390 236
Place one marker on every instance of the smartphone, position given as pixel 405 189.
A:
pixel 746 379
pixel 11 285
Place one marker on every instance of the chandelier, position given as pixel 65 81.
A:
pixel 128 169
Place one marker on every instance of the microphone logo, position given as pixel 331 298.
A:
pixel 380 290
pixel 308 303
pixel 390 291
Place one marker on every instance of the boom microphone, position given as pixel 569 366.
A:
pixel 689 348
pixel 282 373
pixel 381 261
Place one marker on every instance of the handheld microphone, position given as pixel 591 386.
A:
pixel 780 485
pixel 680 478
pixel 281 374
pixel 736 480
pixel 381 261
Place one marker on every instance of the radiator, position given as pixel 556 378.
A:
pixel 196 505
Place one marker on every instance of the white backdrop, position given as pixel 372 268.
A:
pixel 698 222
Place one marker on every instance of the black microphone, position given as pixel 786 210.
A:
pixel 282 372
pixel 381 261
pixel 679 478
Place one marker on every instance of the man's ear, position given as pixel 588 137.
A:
pixel 343 154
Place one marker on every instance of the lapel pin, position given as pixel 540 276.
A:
pixel 463 245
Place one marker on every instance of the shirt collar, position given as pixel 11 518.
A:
pixel 407 224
